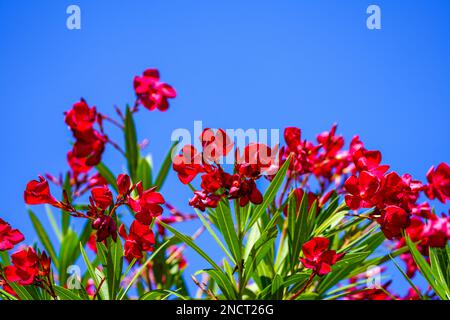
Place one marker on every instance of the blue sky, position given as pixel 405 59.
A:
pixel 235 64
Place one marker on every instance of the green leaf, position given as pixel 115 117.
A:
pixel 165 167
pixel 65 216
pixel 96 275
pixel 223 282
pixel 191 243
pixel 407 278
pixel 137 274
pixel 214 235
pixel 425 269
pixel 270 194
pixel 115 263
pixel 6 296
pixel 54 224
pixel 162 294
pixel 131 144
pixel 65 294
pixel 438 270
pixel 144 173
pixel 108 175
pixel 225 225
pixel 67 254
pixel 23 292
pixel 44 238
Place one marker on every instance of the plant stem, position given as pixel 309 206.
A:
pixel 311 277
pixel 240 263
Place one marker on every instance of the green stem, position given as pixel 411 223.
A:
pixel 240 263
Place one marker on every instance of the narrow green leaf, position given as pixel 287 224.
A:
pixel 65 294
pixel 144 173
pixel 165 167
pixel 226 226
pixel 425 269
pixel 54 224
pixel 137 274
pixel 270 194
pixel 407 278
pixel 131 144
pixel 44 238
pixel 214 235
pixel 108 175
pixel 96 275
pixel 191 243
pixel 162 294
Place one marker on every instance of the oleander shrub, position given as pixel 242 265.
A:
pixel 327 214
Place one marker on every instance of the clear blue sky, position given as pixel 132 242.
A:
pixel 235 64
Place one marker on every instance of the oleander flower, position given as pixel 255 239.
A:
pixel 102 197
pixel 27 266
pixel 123 184
pixel 317 257
pixel 38 192
pixel 151 92
pixel 81 117
pixel 438 183
pixel 147 206
pixel 9 237
pixel 361 190
pixel 139 239
pixel 393 220
pixel 106 227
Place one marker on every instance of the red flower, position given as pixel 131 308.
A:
pixel 105 226
pixel 123 183
pixel 436 232
pixel 393 220
pixel 102 197
pixel 81 117
pixel 202 200
pixel 92 243
pixel 215 145
pixel 304 152
pixel 361 190
pixel 330 141
pixel 147 206
pixel 317 256
pixel 258 159
pixel 292 136
pixel 38 192
pixel 245 190
pixel 90 145
pixel 140 238
pixel 188 164
pixel 151 92
pixel 438 183
pixel 27 266
pixel 9 236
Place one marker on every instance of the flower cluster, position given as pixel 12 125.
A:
pixel 102 208
pixel 28 267
pixel 151 92
pixel 326 160
pixel 257 160
pixel 90 143
pixel 317 257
